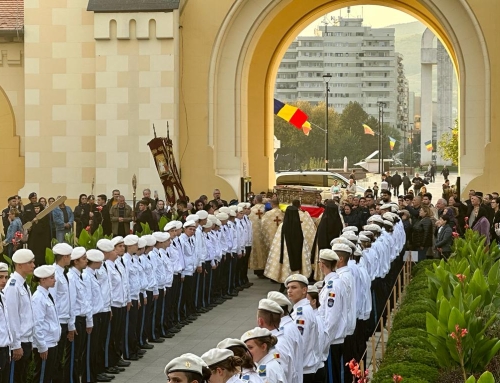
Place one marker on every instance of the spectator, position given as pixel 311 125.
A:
pixel 396 182
pixel 445 172
pixel 422 232
pixel 29 210
pixel 12 204
pixel 418 183
pixel 81 214
pixel 146 197
pixel 160 211
pixel 63 219
pixel 15 225
pixel 217 199
pixel 39 237
pixel 99 215
pixel 121 216
pixel 444 238
pixel 495 226
pixel 481 224
pixel 145 216
pixel 406 184
pixel 350 219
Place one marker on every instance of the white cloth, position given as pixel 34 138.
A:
pixel 251 376
pixel 120 266
pixel 20 313
pixel 189 253
pixel 47 330
pixel 60 293
pixel 149 273
pixel 5 335
pixel 285 350
pixel 269 368
pixel 118 295
pixel 305 320
pixel 350 287
pixel 333 308
pixel 134 277
pixel 79 298
pixel 90 280
pixel 105 286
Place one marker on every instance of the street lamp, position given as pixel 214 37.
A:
pixel 381 106
pixel 327 77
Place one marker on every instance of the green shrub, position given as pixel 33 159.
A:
pixel 410 342
pixel 407 370
pixel 416 321
pixel 403 333
pixel 418 308
pixel 414 355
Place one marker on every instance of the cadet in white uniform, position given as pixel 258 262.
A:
pixel 313 297
pixel 260 342
pixel 333 310
pixel 81 312
pixel 187 302
pixel 95 259
pixel 60 293
pixel 47 330
pixel 156 257
pixel 18 303
pixel 305 320
pixel 248 370
pixel 187 368
pixel 223 364
pixel 5 335
pixel 268 316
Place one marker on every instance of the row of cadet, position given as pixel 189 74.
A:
pixel 311 334
pixel 95 311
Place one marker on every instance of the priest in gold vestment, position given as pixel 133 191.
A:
pixel 258 256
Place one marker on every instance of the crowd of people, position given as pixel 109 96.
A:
pixel 96 311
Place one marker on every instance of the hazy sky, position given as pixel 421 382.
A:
pixel 373 15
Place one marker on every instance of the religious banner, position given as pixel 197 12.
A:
pixel 161 149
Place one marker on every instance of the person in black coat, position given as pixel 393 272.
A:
pixel 145 215
pixel 350 219
pixel 396 182
pixel 82 214
pixel 444 238
pixel 39 236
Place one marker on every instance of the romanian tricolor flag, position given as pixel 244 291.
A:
pixel 392 142
pixel 300 321
pixel 368 130
pixel 293 115
pixel 428 145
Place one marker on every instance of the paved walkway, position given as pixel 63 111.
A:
pixel 230 319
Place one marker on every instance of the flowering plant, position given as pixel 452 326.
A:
pixel 397 378
pixel 16 241
pixel 99 208
pixel 358 374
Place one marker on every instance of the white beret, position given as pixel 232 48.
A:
pixel 312 289
pixel 202 214
pixel 130 240
pixel 216 355
pixel 242 205
pixel 279 298
pixel 257 332
pixel 77 253
pixel 141 243
pixel 231 342
pixel 161 236
pixel 375 218
pixel 62 249
pixel 247 205
pixel 232 213
pixel 208 225
pixel 240 209
pixel 218 222
pixel 44 271
pixel 350 235
pixel 95 255
pixel 222 216
pixel 233 207
pixel 358 253
pixel 193 217
pixel 189 223
pixel 319 285
pixel 388 223
pixel 4 267
pixel 169 226
pixel 178 225
pixel 364 238
pixel 105 245
pixel 388 217
pixel 271 306
pixel 366 233
pixel 350 228
pixel 23 256
pixel 187 363
pixel 386 206
pixel 224 209
pixel 372 227
pixel 343 241
pixel 150 240
pixel 297 278
pixel 116 240
pixel 328 255
pixel 341 247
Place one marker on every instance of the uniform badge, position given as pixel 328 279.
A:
pixel 330 284
pixel 262 370
pixel 188 364
pixel 299 311
pixel 300 321
pixel 281 328
pixel 301 329
pixel 245 378
pixel 332 295
pixel 330 302
pixel 276 356
pixel 12 282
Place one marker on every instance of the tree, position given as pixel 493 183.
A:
pixel 448 145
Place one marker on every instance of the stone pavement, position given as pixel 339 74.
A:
pixel 228 320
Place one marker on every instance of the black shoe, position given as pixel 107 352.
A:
pixel 112 370
pixel 212 305
pixel 132 357
pixel 121 369
pixel 233 294
pixel 184 322
pixel 239 288
pixel 174 330
pixel 192 317
pixel 208 308
pixel 157 340
pixel 140 356
pixel 227 297
pixel 197 314
pixel 170 335
pixel 220 301
pixel 102 378
pixel 122 363
pixel 203 310
pixel 147 346
pixel 141 352
pixel 108 376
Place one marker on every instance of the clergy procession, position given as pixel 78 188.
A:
pixel 93 312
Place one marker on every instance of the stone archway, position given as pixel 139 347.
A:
pixel 11 162
pixel 254 37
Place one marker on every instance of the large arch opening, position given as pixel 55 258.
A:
pixel 254 38
pixel 11 162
